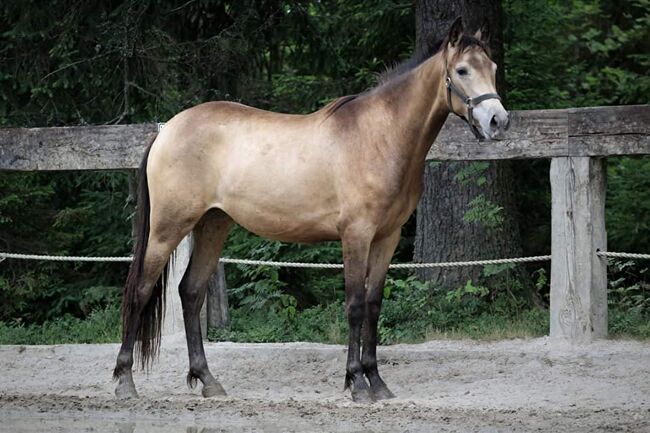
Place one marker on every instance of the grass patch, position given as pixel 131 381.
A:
pixel 528 324
pixel 401 322
pixel 321 324
pixel 328 325
pixel 101 326
pixel 626 324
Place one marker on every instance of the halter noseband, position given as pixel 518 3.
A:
pixel 468 101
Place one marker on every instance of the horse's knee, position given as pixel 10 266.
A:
pixel 373 308
pixel 191 294
pixel 355 310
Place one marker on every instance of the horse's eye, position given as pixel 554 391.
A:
pixel 461 71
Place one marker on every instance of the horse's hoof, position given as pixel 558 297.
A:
pixel 125 391
pixel 213 389
pixel 362 396
pixel 382 393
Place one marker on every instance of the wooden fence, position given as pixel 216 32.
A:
pixel 577 140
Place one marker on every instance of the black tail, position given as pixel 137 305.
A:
pixel 148 333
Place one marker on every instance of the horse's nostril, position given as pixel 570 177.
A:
pixel 493 122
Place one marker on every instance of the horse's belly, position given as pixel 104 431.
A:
pixel 281 189
pixel 295 212
pixel 278 225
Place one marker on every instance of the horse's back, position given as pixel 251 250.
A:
pixel 271 172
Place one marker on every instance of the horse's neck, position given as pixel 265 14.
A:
pixel 418 109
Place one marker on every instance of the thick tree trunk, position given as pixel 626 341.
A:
pixel 442 233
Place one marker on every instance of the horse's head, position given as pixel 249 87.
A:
pixel 471 83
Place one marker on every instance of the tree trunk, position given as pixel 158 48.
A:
pixel 442 233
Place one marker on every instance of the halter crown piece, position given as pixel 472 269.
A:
pixel 469 102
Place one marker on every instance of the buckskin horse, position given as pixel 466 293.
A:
pixel 352 171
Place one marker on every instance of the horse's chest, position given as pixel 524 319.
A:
pixel 399 206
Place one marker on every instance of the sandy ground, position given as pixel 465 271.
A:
pixel 448 386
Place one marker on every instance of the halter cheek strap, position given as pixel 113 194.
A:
pixel 469 102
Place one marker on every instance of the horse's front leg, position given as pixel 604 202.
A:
pixel 381 252
pixel 356 245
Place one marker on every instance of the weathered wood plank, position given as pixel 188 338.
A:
pixel 623 130
pixel 578 275
pixel 532 134
pixel 74 148
pixel 598 131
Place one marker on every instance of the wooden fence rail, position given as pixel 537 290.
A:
pixel 576 139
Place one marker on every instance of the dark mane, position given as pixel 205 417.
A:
pixel 407 65
pixel 418 58
pixel 333 106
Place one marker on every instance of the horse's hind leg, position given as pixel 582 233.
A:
pixel 155 258
pixel 380 255
pixel 209 236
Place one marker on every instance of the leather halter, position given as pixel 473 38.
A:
pixel 469 102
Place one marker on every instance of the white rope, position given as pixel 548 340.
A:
pixel 472 262
pixel 64 258
pixel 623 255
pixel 4 255
pixel 282 264
pixel 392 266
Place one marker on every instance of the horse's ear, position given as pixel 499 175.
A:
pixel 455 32
pixel 483 34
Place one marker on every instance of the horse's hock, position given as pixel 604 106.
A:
pixel 577 141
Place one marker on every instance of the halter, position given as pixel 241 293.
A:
pixel 468 101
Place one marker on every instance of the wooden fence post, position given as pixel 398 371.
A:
pixel 218 315
pixel 173 321
pixel 578 275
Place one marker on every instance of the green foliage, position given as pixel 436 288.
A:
pixel 483 211
pixel 259 287
pixel 628 204
pixel 412 311
pixel 100 326
pixel 126 61
pixel 468 291
pixel 541 279
pixel 628 324
pixel 320 323
pixel 472 173
pixel 85 214
pixel 577 53
pixel 629 286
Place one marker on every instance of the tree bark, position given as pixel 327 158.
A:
pixel 442 234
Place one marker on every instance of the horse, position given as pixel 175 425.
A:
pixel 351 171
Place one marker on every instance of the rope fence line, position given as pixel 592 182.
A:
pixel 392 266
pixel 16 256
pixel 5 255
pixel 623 255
